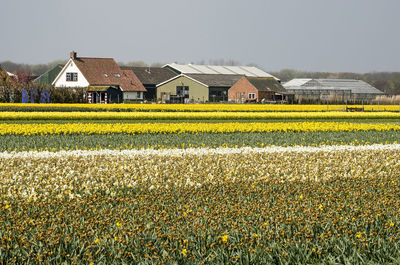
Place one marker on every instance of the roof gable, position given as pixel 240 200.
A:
pixel 70 66
pixel 182 75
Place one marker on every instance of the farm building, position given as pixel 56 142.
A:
pixel 215 82
pixel 104 80
pixel 48 77
pixel 196 88
pixel 150 77
pixel 218 85
pixel 256 89
pixel 340 90
pixel 182 89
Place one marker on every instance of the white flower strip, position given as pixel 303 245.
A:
pixel 198 151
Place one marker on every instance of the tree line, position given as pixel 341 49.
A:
pixel 388 82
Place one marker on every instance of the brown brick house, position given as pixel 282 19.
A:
pixel 256 89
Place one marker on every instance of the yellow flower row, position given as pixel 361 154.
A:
pixel 163 128
pixel 204 107
pixel 194 115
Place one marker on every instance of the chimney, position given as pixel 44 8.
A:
pixel 72 55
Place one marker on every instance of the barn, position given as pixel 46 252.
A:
pixel 258 89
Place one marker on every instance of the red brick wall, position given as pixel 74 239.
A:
pixel 242 86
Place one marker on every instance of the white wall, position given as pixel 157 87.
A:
pixel 130 95
pixel 61 80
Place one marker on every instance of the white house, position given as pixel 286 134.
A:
pixel 104 80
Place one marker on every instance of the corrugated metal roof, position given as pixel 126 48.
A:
pixel 297 82
pixel 213 80
pixel 219 69
pixel 356 86
pixel 203 69
pixel 222 70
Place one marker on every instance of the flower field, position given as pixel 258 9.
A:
pixel 167 128
pixel 190 107
pixel 247 205
pixel 271 184
pixel 138 116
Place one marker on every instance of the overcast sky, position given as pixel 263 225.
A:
pixel 312 35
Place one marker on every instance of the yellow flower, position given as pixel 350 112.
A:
pixel 97 241
pixel 359 235
pixel 255 235
pixel 118 224
pixel 301 197
pixel 391 224
pixel 184 252
pixel 225 238
pixel 7 206
pixel 321 207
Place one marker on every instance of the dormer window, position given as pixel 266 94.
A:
pixel 72 77
pixel 105 75
pixel 117 75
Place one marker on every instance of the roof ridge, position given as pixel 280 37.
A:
pixel 108 58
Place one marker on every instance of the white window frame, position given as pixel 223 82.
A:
pixel 252 95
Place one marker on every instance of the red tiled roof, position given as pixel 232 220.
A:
pixel 130 82
pixel 105 71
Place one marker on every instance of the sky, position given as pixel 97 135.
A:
pixel 309 35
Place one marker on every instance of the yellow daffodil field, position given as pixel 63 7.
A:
pixel 198 184
pixel 191 107
pixel 139 116
pixel 193 128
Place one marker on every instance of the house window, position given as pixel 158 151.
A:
pixel 252 95
pixel 117 75
pixel 72 76
pixel 182 91
pixel 139 95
